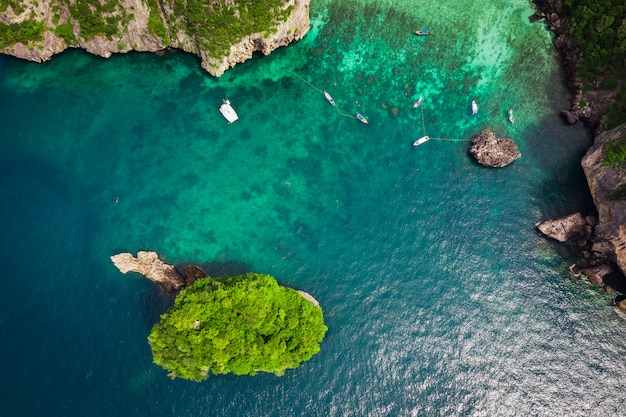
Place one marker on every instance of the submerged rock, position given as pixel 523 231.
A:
pixel 493 152
pixel 149 265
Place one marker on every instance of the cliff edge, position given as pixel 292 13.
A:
pixel 606 175
pixel 222 33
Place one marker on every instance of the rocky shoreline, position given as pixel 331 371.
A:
pixel 597 242
pixel 137 35
pixel 595 102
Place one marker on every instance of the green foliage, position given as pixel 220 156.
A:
pixel 95 17
pixel 216 25
pixel 16 5
pixel 65 30
pixel 599 27
pixel 24 32
pixel 243 324
pixel 615 153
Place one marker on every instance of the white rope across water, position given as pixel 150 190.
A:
pixel 431 138
pixel 351 116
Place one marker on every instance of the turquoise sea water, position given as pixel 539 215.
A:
pixel 440 297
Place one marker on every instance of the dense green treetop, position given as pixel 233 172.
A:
pixel 242 324
pixel 599 28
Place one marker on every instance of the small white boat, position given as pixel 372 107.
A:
pixel 421 140
pixel 329 98
pixel 417 103
pixel 361 118
pixel 511 118
pixel 228 112
pixel 474 107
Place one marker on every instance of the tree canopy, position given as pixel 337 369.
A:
pixel 242 324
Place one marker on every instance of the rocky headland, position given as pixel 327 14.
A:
pixel 493 152
pixel 222 34
pixel 167 276
pixel 149 265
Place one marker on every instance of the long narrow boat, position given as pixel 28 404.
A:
pixel 361 118
pixel 510 114
pixel 474 107
pixel 421 140
pixel 329 98
pixel 417 103
pixel 422 32
pixel 228 112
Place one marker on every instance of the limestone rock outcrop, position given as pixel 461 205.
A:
pixel 493 152
pixel 563 228
pixel 136 32
pixel 149 265
pixel 607 183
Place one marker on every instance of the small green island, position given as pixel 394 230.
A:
pixel 242 324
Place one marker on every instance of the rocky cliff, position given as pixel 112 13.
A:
pixel 222 33
pixel 607 183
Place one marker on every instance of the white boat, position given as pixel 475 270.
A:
pixel 510 114
pixel 361 118
pixel 329 98
pixel 474 107
pixel 417 103
pixel 228 112
pixel 421 140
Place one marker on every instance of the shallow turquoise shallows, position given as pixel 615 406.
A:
pixel 440 297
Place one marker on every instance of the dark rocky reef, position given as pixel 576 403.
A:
pixel 493 152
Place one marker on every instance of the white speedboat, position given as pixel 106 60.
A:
pixel 474 107
pixel 228 112
pixel 421 140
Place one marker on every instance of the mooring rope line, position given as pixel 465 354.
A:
pixel 351 116
pixel 446 139
pixel 452 139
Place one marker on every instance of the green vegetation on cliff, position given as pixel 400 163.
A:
pixel 214 25
pixel 243 324
pixel 218 25
pixel 28 30
pixel 599 28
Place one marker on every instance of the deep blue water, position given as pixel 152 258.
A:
pixel 440 297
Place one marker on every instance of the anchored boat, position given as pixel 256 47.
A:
pixel 421 140
pixel 422 32
pixel 510 114
pixel 228 112
pixel 417 103
pixel 329 98
pixel 474 107
pixel 361 118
